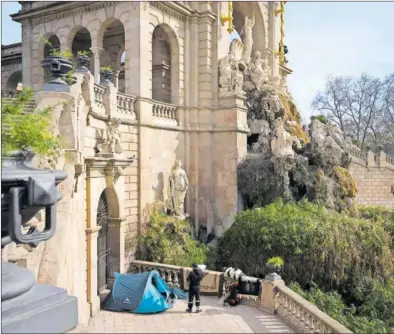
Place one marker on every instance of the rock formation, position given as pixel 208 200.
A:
pixel 285 159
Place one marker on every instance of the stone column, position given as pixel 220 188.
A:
pixel 26 52
pixel 273 37
pixel 116 78
pixel 97 51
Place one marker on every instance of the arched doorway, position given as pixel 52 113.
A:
pixel 102 243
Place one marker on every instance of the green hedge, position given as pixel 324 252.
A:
pixel 333 250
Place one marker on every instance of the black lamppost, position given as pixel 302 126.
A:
pixel 28 306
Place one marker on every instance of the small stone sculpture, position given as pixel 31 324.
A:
pixel 112 142
pixel 178 185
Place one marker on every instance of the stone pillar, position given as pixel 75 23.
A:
pixel 274 36
pixel 268 295
pixel 97 51
pixel 138 66
pixel 116 78
pixel 26 52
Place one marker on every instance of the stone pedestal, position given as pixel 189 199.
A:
pixel 268 294
pixel 30 307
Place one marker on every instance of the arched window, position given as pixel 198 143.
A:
pixel 82 42
pixel 161 66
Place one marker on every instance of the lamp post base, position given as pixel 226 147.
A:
pixel 40 309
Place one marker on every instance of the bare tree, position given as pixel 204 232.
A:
pixel 362 107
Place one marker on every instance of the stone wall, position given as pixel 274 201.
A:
pixel 374 179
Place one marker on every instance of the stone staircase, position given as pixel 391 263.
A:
pixel 29 107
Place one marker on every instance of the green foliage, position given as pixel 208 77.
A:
pixel 68 78
pixel 320 118
pixel 380 215
pixel 83 53
pixel 55 52
pixel 105 69
pixel 277 261
pixel 22 131
pixel 332 249
pixel 374 319
pixel 168 240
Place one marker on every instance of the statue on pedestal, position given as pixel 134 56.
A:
pixel 178 185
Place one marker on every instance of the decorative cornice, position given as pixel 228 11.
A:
pixel 42 15
pixel 166 8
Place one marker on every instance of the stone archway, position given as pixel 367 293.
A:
pixel 13 80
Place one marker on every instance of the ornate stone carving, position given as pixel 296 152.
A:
pixel 178 185
pixel 259 71
pixel 247 38
pixel 112 143
pixel 231 69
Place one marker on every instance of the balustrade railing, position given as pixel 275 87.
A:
pixel 172 275
pixel 167 113
pixel 306 317
pixel 99 95
pixel 125 104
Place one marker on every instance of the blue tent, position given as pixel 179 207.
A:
pixel 139 293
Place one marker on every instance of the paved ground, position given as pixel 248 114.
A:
pixel 213 319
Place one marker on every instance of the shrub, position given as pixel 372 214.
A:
pixel 334 250
pixel 21 131
pixel 168 240
pixel 333 304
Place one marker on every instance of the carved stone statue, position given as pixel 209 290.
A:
pixel 178 185
pixel 231 69
pixel 259 70
pixel 112 143
pixel 247 38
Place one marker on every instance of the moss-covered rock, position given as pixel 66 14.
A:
pixel 347 186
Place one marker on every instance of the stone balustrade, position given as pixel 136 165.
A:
pixel 274 297
pixel 99 92
pixel 304 316
pixel 165 113
pixel 170 274
pixel 125 104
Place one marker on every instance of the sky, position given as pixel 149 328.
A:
pixel 323 38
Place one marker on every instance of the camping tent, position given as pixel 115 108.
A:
pixel 139 293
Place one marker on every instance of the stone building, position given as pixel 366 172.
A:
pixel 165 103
pixel 11 66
